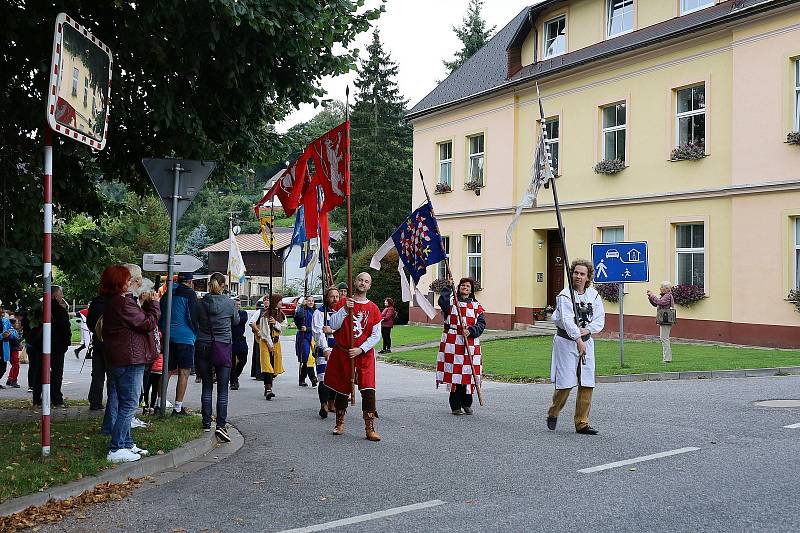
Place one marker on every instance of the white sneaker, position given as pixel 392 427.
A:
pixel 136 423
pixel 169 404
pixel 122 456
pixel 141 452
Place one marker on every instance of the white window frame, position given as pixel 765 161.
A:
pixel 475 255
pixel 76 75
pixel 609 16
pixel 619 230
pixel 613 129
pixel 476 156
pixel 234 288
pixel 701 4
pixel 554 141
pixel 546 42
pixel 441 269
pixel 445 163
pixel 85 91
pixel 797 252
pixel 689 114
pixel 797 94
pixel 690 251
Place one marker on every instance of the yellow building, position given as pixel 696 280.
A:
pixel 687 104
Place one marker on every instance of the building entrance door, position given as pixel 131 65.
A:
pixel 555 266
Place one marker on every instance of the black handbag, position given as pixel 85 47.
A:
pixel 666 317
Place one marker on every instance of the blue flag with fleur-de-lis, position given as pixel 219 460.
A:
pixel 418 242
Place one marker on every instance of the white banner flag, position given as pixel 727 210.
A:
pixel 236 266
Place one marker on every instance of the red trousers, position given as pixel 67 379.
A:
pixel 14 373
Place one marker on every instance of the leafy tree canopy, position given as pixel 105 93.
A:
pixel 204 79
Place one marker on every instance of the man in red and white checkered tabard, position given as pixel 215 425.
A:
pixel 457 366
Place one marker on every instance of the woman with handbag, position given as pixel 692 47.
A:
pixel 216 314
pixel 665 317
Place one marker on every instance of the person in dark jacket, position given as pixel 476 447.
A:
pixel 303 341
pixel 216 315
pixel 60 339
pixel 128 345
pixel 183 332
pixel 95 397
pixel 239 344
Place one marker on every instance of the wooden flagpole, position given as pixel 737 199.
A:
pixel 470 349
pixel 349 250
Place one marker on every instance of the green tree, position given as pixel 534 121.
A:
pixel 472 33
pixel 138 226
pixel 381 153
pixel 197 240
pixel 204 79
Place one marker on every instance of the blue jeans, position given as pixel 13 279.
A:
pixel 128 383
pixel 206 372
pixel 110 415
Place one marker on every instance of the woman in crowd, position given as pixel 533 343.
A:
pixel 239 344
pixel 216 314
pixel 387 323
pixel 304 341
pixel 663 303
pixel 129 344
pixel 268 337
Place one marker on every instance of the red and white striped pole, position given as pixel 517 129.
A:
pixel 47 279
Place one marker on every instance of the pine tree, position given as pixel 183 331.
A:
pixel 198 239
pixel 472 33
pixel 381 152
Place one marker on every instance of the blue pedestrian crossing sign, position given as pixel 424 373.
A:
pixel 620 262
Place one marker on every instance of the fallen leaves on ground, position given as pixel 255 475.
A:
pixel 56 510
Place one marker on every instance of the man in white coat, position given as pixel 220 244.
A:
pixel 573 347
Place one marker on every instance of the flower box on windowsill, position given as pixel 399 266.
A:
pixel 688 295
pixel 688 152
pixel 442 188
pixel 794 298
pixel 609 166
pixel 437 285
pixel 473 185
pixel 793 138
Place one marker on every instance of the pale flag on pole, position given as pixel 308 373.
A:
pixel 541 172
pixel 235 262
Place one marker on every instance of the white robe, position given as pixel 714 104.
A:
pixel 564 365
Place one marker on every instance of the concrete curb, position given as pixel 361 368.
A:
pixel 703 374
pixel 199 450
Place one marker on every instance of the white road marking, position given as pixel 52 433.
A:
pixel 366 517
pixel 626 462
pixel 792 426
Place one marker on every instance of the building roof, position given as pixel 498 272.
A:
pixel 487 71
pixel 253 242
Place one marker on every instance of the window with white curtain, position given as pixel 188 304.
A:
pixel 691 116
pixel 797 253
pixel 614 126
pixel 475 166
pixel 552 141
pixel 75 77
pixel 555 37
pixel 688 6
pixel 620 17
pixel 797 94
pixel 474 257
pixel 690 254
pixel 612 234
pixel 446 163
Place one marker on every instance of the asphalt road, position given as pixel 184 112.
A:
pixel 499 470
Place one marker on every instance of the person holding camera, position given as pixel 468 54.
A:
pixel 665 317
pixel 573 346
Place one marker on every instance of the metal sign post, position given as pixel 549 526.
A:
pixel 164 172
pixel 620 263
pixel 72 113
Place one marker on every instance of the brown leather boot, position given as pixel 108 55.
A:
pixel 338 429
pixel 330 407
pixel 369 426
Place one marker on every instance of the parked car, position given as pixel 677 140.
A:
pixel 289 305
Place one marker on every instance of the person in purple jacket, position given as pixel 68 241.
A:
pixel 664 301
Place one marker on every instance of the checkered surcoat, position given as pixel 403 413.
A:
pixel 452 363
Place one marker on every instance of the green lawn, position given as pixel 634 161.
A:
pixel 529 358
pixel 78 450
pixel 408 335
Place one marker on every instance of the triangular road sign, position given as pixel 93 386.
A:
pixel 193 175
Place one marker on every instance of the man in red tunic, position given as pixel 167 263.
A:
pixel 357 324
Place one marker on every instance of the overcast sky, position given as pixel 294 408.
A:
pixel 418 34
